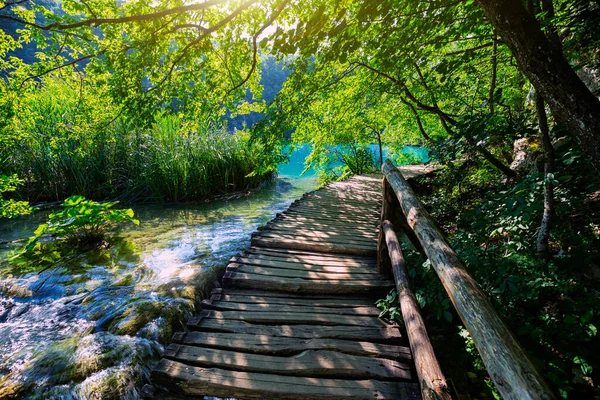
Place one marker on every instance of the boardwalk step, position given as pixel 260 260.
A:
pixel 288 346
pixel 265 282
pixel 303 308
pixel 315 246
pixel 295 264
pixel 318 363
pixel 389 334
pixel 306 274
pixel 313 258
pixel 294 318
pixel 197 381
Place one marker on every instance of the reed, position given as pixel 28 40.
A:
pixel 67 149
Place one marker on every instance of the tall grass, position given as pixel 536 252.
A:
pixel 73 144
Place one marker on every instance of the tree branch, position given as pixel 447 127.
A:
pixel 193 43
pixel 273 17
pixel 120 20
pixel 433 109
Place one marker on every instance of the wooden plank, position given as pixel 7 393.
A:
pixel 303 273
pixel 314 237
pixel 309 363
pixel 289 346
pixel 219 305
pixel 325 234
pixel 505 360
pixel 341 268
pixel 294 296
pixel 329 227
pixel 318 218
pixel 387 334
pixel 197 381
pixel 325 219
pixel 314 246
pixel 293 318
pixel 307 253
pixel 303 301
pixel 366 211
pixel 263 282
pixel 326 214
pixel 315 258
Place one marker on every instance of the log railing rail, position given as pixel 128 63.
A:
pixel 431 379
pixel 509 367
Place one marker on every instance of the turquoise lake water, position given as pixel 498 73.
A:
pixel 296 165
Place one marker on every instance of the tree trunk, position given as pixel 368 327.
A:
pixel 571 101
pixel 544 232
pixel 380 148
pixel 494 72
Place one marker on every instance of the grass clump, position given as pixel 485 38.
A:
pixel 75 140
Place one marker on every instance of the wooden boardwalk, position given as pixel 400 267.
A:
pixel 296 318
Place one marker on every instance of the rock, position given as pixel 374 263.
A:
pixel 527 156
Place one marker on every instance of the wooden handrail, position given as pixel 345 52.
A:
pixel 511 371
pixel 431 379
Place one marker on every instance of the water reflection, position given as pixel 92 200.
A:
pixel 93 325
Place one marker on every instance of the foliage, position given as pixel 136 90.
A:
pixel 340 162
pixel 10 208
pixel 80 224
pixel 390 307
pixel 82 221
pixel 75 141
pixel 551 305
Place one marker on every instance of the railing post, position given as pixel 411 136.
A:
pixel 384 265
pixel 511 371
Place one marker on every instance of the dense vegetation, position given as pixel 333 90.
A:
pixel 137 101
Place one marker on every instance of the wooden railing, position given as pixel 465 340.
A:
pixel 511 371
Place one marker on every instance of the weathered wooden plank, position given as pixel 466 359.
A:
pixel 289 346
pixel 197 381
pixel 509 367
pixel 294 296
pixel 314 246
pixel 341 268
pixel 319 219
pixel 263 282
pixel 219 305
pixel 316 238
pixel 323 234
pixel 293 318
pixel 366 211
pixel 326 227
pixel 315 258
pixel 320 213
pixel 388 334
pixel 303 273
pixel 309 363
pixel 304 301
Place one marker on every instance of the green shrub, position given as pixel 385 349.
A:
pixel 80 222
pixel 10 208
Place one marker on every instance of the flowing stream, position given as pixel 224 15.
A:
pixel 93 325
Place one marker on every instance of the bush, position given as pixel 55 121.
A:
pixel 10 208
pixel 81 223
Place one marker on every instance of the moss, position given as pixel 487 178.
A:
pixel 127 280
pixel 136 316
